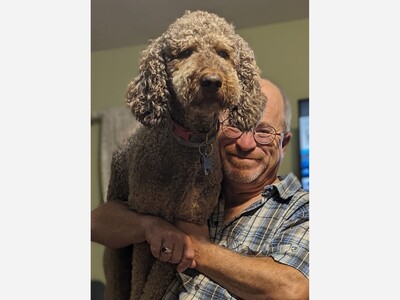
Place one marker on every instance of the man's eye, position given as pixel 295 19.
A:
pixel 223 54
pixel 264 130
pixel 185 54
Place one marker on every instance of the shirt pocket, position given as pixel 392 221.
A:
pixel 246 237
pixel 234 237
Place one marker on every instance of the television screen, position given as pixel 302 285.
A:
pixel 304 143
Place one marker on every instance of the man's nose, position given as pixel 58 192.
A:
pixel 246 142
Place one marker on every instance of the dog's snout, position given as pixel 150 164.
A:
pixel 211 82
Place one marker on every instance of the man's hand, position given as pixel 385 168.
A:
pixel 198 234
pixel 159 233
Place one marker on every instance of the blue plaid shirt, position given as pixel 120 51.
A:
pixel 274 226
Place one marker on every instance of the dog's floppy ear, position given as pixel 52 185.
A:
pixel 248 112
pixel 147 94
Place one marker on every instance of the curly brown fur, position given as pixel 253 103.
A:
pixel 190 75
pixel 213 44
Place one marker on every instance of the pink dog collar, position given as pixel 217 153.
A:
pixel 193 139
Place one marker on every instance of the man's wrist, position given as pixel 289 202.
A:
pixel 146 223
pixel 203 252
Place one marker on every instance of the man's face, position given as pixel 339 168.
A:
pixel 243 159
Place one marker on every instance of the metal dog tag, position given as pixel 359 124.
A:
pixel 206 163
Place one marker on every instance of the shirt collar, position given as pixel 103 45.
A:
pixel 287 186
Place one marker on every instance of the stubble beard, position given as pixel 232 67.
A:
pixel 241 175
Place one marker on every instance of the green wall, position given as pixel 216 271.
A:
pixel 282 53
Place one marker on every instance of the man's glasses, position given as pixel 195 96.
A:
pixel 263 135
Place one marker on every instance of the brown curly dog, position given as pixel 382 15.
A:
pixel 190 76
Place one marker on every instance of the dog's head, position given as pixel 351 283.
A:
pixel 199 64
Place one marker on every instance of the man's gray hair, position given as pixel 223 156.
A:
pixel 287 109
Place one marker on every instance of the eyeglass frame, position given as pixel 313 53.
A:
pixel 254 131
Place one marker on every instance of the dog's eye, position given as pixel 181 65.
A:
pixel 223 54
pixel 185 53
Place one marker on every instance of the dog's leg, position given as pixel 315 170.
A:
pixel 117 270
pixel 160 277
pixel 142 261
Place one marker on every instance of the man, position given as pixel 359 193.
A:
pixel 256 243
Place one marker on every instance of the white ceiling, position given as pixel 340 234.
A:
pixel 122 23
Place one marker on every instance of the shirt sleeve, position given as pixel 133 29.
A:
pixel 290 244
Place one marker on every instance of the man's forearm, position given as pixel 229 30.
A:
pixel 250 277
pixel 115 226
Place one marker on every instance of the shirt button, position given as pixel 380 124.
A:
pixel 196 287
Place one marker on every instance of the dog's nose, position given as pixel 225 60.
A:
pixel 211 82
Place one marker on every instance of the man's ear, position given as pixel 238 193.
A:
pixel 286 139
